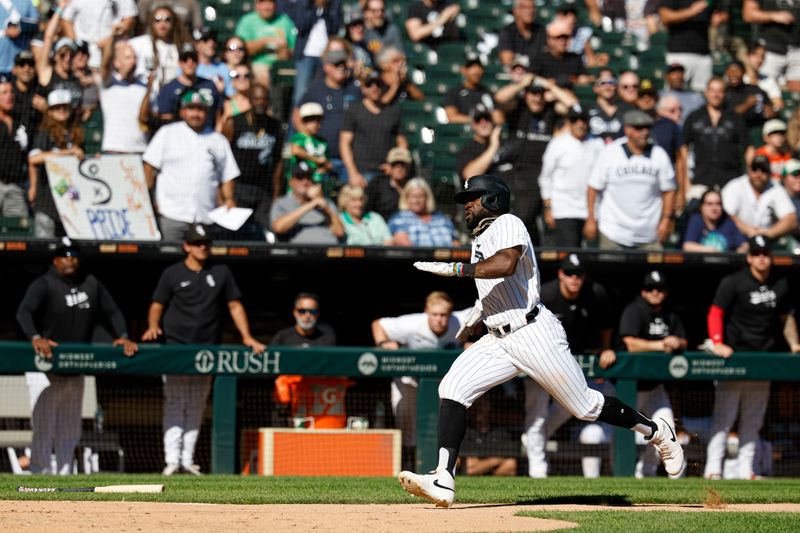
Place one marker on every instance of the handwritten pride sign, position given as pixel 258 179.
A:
pixel 103 198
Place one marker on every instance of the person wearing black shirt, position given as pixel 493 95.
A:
pixel 779 29
pixel 191 297
pixel 751 312
pixel 687 22
pixel 54 64
pixel 383 193
pixel 256 140
pixel 13 155
pixel 28 106
pixel 646 325
pixel 307 331
pixel 481 154
pixel 524 36
pixel 369 131
pixel 555 62
pixel 719 139
pixel 63 305
pixel 459 101
pixel 170 95
pixel 605 116
pixel 585 311
pixel 748 101
pixel 433 21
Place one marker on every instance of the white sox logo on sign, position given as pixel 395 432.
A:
pixel 368 363
pixel 236 362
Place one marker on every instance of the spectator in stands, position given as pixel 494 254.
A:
pixel 233 54
pixel 750 309
pixel 157 50
pixel 687 22
pixel 719 139
pixel 775 147
pixel 628 90
pixel 667 134
pixel 586 312
pixel 433 21
pixel 394 77
pixel 189 12
pixel 28 106
pixel 354 34
pixel 605 116
pixel 256 140
pixel 369 130
pixel 336 92
pixel 524 36
pixel 314 402
pixel 482 153
pixel 239 102
pixel 268 36
pixel 754 60
pixel 208 65
pixel 190 167
pixel 779 29
pixel 383 192
pixel 63 305
pixel 121 97
pixel 670 107
pixel 417 223
pixel 791 182
pixel 379 31
pixel 307 145
pixel 565 172
pixel 59 135
pixel 710 229
pixel 97 24
pixel 361 227
pixel 85 76
pixel 638 19
pixel 190 296
pixel 54 68
pixel 304 215
pixel 532 108
pixel 637 184
pixel 675 86
pixel 13 155
pixel 170 96
pixel 459 101
pixel 747 101
pixel 555 62
pixel 434 328
pixel 793 133
pixel 648 325
pixel 20 22
pixel 580 43
pixel 316 21
pixel 757 205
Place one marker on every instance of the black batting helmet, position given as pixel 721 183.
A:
pixel 493 192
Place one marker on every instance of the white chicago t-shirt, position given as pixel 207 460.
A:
pixel 740 200
pixel 413 331
pixel 507 300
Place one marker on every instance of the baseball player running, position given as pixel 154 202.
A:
pixel 523 336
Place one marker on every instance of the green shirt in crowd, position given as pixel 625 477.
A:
pixel 252 27
pixel 372 230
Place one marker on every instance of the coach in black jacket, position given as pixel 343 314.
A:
pixel 70 305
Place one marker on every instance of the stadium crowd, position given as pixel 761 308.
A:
pixel 610 125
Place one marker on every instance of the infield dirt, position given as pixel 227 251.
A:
pixel 66 517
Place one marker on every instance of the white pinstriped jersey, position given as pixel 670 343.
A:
pixel 507 300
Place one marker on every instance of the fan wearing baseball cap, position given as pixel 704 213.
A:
pixel 757 205
pixel 169 98
pixel 459 101
pixel 308 146
pixel 775 148
pixel 750 310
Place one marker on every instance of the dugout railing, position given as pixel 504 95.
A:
pixel 229 363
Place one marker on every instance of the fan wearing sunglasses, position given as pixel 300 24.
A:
pixel 307 330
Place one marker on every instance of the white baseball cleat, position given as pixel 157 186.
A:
pixel 668 447
pixel 438 487
pixel 170 469
pixel 192 469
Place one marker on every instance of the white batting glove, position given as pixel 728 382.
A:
pixel 470 324
pixel 436 267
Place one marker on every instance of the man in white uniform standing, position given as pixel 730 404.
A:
pixel 523 336
pixel 433 329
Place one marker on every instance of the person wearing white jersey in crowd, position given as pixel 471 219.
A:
pixel 635 183
pixel 566 165
pixel 523 336
pixel 433 329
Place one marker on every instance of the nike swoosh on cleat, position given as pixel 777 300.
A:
pixel 670 430
pixel 436 484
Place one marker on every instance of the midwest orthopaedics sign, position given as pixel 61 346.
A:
pixel 237 362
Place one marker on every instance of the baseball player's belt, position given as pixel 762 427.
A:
pixel 505 329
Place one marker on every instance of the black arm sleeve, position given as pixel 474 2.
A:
pixel 108 307
pixel 34 297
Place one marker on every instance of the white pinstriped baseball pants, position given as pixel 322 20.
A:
pixel 538 349
pixel 185 400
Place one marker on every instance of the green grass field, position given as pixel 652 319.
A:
pixel 620 492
